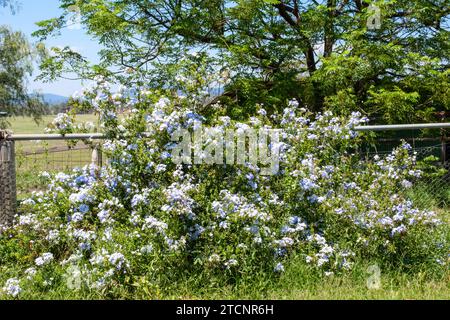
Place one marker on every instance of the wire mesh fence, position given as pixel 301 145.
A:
pixel 432 189
pixel 35 157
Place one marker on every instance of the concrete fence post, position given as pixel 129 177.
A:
pixel 97 159
pixel 8 196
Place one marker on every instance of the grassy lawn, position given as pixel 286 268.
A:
pixel 28 125
pixel 297 283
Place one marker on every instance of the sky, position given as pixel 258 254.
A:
pixel 32 11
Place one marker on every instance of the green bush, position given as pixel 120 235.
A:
pixel 143 224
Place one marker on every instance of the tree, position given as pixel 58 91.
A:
pixel 11 4
pixel 388 58
pixel 15 66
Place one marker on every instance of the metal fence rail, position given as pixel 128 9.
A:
pixel 17 164
pixel 397 127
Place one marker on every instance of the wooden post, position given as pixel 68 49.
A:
pixel 444 147
pixel 8 197
pixel 444 143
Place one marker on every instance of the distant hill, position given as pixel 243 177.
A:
pixel 54 98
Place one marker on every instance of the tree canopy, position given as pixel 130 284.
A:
pixel 387 58
pixel 11 4
pixel 15 65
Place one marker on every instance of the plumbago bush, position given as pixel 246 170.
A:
pixel 143 222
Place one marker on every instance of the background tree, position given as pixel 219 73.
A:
pixel 15 66
pixel 16 56
pixel 11 4
pixel 320 52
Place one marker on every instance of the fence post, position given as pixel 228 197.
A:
pixel 8 197
pixel 97 159
pixel 444 146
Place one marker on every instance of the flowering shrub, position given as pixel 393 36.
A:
pixel 64 123
pixel 143 219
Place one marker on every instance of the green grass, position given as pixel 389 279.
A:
pixel 434 193
pixel 25 125
pixel 299 282
pixel 296 285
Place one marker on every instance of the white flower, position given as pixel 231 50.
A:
pixel 321 262
pixel 279 267
pixel 45 174
pixel 30 272
pixel 400 229
pixel 406 184
pixel 257 240
pixel 162 103
pixel 214 258
pixel 285 242
pixel 327 250
pixel 117 259
pixel 77 217
pixel 12 287
pixel 117 96
pixel 27 219
pixel 262 112
pixel 223 225
pixel 293 103
pixel 161 168
pixel 53 235
pixel 231 263
pixel 46 258
pixel 147 249
pixel 153 223
pixel 103 216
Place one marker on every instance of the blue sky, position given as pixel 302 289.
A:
pixel 24 20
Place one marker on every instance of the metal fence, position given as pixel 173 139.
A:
pixel 431 146
pixel 35 157
pixel 24 157
pixel 7 182
pixel 432 189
